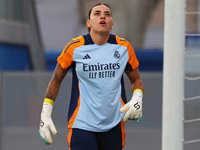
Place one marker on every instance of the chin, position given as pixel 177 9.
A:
pixel 104 31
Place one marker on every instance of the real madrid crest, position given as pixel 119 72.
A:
pixel 116 54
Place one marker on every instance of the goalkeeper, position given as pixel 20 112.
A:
pixel 98 108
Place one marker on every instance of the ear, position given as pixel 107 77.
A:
pixel 88 23
pixel 111 26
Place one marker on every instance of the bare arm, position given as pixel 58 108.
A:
pixel 55 82
pixel 134 77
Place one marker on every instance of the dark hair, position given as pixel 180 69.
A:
pixel 89 13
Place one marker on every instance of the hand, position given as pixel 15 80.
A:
pixel 133 108
pixel 46 123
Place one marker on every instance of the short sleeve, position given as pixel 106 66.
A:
pixel 66 57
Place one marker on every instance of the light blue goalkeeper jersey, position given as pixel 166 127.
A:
pixel 97 89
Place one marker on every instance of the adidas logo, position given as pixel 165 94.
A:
pixel 87 57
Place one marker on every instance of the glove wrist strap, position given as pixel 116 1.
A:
pixel 139 90
pixel 47 100
pixel 138 93
pixel 47 107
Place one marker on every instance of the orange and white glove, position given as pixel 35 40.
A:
pixel 46 122
pixel 133 108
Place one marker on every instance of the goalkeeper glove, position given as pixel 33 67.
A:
pixel 46 122
pixel 133 108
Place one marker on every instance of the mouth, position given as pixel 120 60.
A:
pixel 102 22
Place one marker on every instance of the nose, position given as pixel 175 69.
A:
pixel 102 17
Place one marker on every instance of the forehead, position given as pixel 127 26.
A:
pixel 102 8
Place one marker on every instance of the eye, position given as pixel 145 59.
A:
pixel 97 13
pixel 108 14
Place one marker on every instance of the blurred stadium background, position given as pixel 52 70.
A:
pixel 33 34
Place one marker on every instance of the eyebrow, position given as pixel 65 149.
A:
pixel 104 11
pixel 97 11
pixel 107 12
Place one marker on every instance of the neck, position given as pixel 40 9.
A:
pixel 99 38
